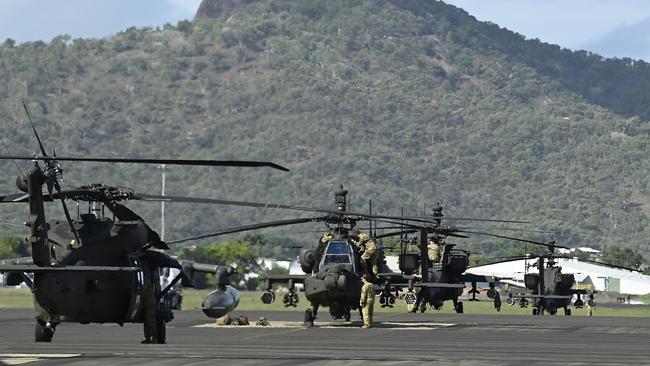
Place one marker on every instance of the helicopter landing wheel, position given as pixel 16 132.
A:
pixel 567 312
pixel 535 311
pixel 348 316
pixel 42 332
pixel 459 307
pixel 309 318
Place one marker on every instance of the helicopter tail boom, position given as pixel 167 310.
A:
pixel 31 268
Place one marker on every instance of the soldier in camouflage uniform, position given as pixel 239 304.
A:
pixel 434 251
pixel 322 243
pixel 591 305
pixel 367 301
pixel 369 253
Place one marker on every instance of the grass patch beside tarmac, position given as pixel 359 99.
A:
pixel 250 300
pixel 11 297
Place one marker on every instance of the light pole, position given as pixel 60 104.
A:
pixel 162 203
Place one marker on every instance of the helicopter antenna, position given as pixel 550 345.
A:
pixel 370 221
pixel 162 203
pixel 52 170
pixel 29 117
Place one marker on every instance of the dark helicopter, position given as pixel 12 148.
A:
pixel 334 268
pixel 551 289
pixel 97 269
pixel 437 268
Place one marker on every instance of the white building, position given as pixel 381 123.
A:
pixel 603 278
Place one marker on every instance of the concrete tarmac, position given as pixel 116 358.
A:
pixel 397 339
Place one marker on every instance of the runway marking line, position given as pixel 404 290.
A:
pixel 24 358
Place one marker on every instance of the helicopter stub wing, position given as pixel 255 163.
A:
pixel 470 277
pixel 285 278
pixel 398 279
pixel 541 296
pixel 439 285
pixel 32 268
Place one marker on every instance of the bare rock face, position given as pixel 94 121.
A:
pixel 216 8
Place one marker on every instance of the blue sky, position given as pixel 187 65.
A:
pixel 610 27
pixel 29 20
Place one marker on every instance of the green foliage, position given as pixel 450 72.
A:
pixel 624 257
pixel 238 254
pixel 14 247
pixel 405 102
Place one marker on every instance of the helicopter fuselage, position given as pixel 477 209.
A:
pixel 337 282
pixel 94 296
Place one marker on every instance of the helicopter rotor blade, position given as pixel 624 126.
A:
pixel 506 229
pixel 548 245
pixel 15 198
pixel 52 170
pixel 430 219
pixel 375 217
pixel 11 223
pixel 226 163
pixel 29 117
pixel 395 233
pixel 238 229
pixel 605 264
pixel 57 187
pixel 148 197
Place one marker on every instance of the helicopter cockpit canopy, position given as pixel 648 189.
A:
pixel 338 252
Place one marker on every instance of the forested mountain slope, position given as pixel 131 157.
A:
pixel 405 102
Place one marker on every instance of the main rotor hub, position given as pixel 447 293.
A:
pixel 340 199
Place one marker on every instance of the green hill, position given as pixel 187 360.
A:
pixel 404 102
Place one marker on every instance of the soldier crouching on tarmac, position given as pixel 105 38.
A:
pixel 367 301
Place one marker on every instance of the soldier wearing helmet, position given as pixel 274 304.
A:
pixel 368 249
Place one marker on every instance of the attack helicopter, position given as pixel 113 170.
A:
pixel 97 269
pixel 441 277
pixel 550 289
pixel 334 268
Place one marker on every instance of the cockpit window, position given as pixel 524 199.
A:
pixel 338 252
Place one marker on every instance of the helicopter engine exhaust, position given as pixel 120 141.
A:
pixel 307 259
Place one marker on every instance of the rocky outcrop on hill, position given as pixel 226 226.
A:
pixel 216 8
